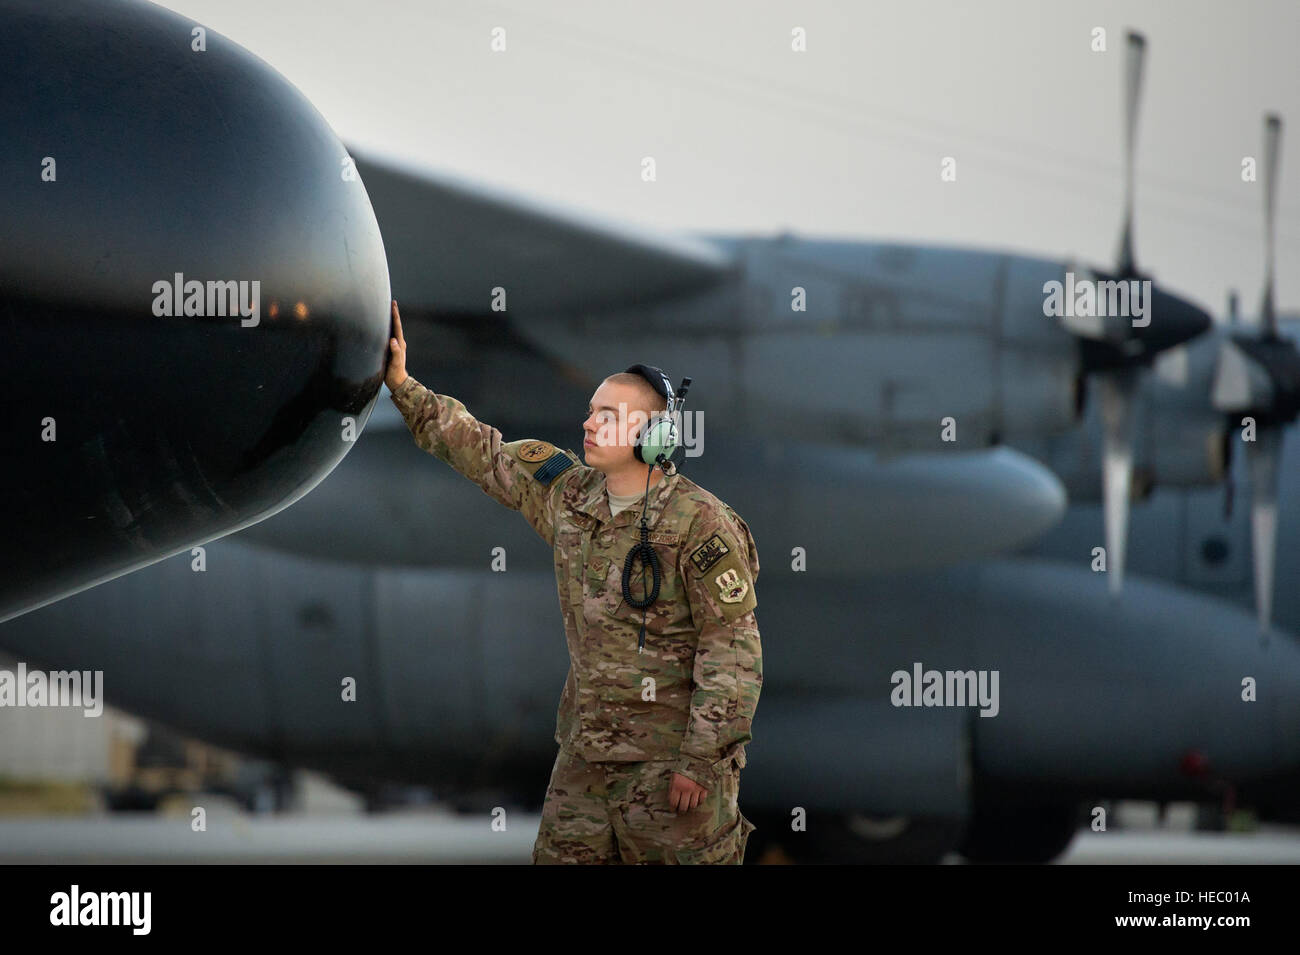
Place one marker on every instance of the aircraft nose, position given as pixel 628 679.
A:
pixel 193 291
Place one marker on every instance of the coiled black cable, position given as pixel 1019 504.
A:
pixel 644 552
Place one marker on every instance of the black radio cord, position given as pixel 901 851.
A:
pixel 644 552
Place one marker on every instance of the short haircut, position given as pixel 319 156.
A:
pixel 654 402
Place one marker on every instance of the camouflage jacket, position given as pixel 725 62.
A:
pixel 691 694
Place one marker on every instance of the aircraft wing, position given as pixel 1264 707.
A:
pixel 450 241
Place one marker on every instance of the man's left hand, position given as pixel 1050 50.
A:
pixel 684 794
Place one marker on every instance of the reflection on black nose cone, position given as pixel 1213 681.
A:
pixel 193 292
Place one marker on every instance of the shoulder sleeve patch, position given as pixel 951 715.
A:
pixel 541 460
pixel 709 553
pixel 534 451
pixel 719 569
pixel 553 467
pixel 731 587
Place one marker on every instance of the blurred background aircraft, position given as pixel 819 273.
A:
pixel 977 553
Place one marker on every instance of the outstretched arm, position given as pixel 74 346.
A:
pixel 523 475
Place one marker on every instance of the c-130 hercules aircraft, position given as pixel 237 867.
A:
pixel 887 549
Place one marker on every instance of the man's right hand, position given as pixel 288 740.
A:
pixel 396 373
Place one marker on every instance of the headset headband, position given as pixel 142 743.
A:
pixel 658 381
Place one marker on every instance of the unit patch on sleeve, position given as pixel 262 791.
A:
pixel 731 589
pixel 535 451
pixel 709 553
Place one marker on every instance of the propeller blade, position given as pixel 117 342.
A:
pixel 1117 391
pixel 1264 456
pixel 1132 92
pixel 1240 382
pixel 1272 145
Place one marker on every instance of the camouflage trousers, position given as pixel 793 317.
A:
pixel 617 814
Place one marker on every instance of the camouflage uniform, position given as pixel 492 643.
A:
pixel 628 720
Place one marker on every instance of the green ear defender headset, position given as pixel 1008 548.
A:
pixel 661 436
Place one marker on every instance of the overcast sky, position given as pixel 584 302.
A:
pixel 843 140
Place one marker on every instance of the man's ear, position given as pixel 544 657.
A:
pixel 636 422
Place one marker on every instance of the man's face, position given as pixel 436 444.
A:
pixel 614 418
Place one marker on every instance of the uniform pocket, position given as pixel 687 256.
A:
pixel 748 661
pixel 727 849
pixel 669 615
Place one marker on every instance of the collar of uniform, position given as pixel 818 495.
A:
pixel 596 502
